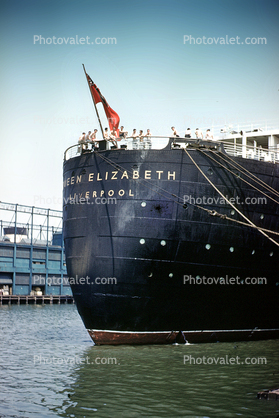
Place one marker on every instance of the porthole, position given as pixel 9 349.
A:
pixel 150 275
pixel 171 275
pixel 231 249
pixel 142 241
pixel 185 206
pixel 210 171
pixel 208 246
pixel 83 172
pixel 232 212
pixel 262 216
pixel 253 252
pixel 271 254
pixel 143 204
pixel 163 243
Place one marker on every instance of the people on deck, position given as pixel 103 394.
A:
pixel 134 134
pixel 141 141
pixel 113 137
pixel 208 134
pixel 141 134
pixel 93 135
pixel 87 137
pixel 198 133
pixel 92 140
pixel 188 133
pixel 106 134
pixel 148 142
pixel 82 141
pixel 174 132
pixel 135 143
pixel 122 133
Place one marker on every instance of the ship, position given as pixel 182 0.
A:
pixel 176 243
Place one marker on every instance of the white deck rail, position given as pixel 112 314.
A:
pixel 251 152
pixel 235 145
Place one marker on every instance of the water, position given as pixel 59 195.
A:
pixel 49 368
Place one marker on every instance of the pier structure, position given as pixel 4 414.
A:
pixel 35 300
pixel 32 260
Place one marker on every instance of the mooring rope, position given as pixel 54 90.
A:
pixel 231 204
pixel 235 164
pixel 245 181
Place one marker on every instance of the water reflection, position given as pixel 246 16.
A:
pixel 50 368
pixel 173 381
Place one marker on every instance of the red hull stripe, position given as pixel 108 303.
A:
pixel 109 337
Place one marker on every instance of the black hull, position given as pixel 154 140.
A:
pixel 153 246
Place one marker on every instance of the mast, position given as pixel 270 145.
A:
pixel 97 113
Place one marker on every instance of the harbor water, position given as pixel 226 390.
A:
pixel 50 367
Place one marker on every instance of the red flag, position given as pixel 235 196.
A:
pixel 112 116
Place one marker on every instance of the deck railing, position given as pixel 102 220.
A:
pixel 251 152
pixel 130 143
pixel 159 142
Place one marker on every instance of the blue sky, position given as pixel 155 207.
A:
pixel 150 77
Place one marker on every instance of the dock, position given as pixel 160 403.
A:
pixel 32 257
pixel 36 300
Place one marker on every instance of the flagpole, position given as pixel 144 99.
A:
pixel 94 103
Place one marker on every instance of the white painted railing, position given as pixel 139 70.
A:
pixel 130 143
pixel 159 142
pixel 251 152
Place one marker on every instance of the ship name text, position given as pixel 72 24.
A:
pixel 120 175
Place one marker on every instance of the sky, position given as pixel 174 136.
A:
pixel 185 63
